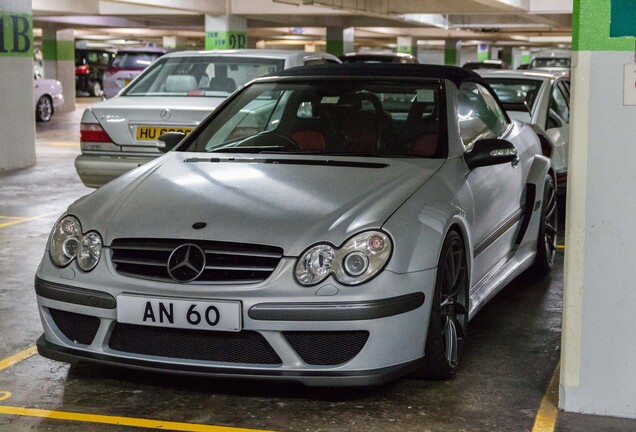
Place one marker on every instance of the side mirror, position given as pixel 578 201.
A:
pixel 488 152
pixel 169 140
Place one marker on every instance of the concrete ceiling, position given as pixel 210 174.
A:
pixel 377 22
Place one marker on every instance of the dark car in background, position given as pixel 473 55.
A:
pixel 90 65
pixel 378 57
pixel 126 65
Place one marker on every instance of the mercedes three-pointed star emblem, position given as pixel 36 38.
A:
pixel 165 114
pixel 186 263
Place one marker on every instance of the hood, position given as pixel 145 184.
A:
pixel 122 115
pixel 288 201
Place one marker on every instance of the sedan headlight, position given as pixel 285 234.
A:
pixel 68 242
pixel 358 260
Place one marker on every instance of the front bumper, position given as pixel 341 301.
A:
pixel 97 170
pixel 315 340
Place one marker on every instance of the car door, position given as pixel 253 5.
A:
pixel 497 190
pixel 558 124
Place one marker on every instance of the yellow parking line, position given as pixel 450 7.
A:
pixel 560 246
pixel 547 414
pixel 19 220
pixel 120 421
pixel 17 358
pixel 64 144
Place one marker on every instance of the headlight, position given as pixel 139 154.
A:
pixel 89 251
pixel 68 242
pixel 358 260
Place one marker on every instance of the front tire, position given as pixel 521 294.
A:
pixel 446 335
pixel 44 109
pixel 547 234
pixel 96 89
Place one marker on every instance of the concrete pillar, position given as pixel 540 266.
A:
pixel 598 354
pixel 340 40
pixel 452 51
pixel 225 32
pixel 506 55
pixel 483 52
pixel 17 110
pixel 175 42
pixel 519 57
pixel 407 44
pixel 58 51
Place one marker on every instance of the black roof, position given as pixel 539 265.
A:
pixel 452 73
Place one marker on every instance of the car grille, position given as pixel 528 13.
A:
pixel 327 348
pixel 76 327
pixel 225 262
pixel 240 347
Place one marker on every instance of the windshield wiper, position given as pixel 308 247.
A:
pixel 252 149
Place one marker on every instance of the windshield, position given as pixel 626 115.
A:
pixel 134 60
pixel 200 76
pixel 550 62
pixel 345 117
pixel 515 94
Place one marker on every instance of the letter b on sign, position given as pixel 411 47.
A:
pixel 16 35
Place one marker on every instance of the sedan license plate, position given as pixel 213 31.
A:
pixel 152 133
pixel 218 315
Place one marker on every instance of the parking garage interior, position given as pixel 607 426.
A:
pixel 545 354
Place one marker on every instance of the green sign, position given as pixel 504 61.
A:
pixel 623 18
pixel 225 40
pixel 16 34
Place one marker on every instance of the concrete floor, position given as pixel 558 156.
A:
pixel 512 352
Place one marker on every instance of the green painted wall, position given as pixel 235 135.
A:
pixel 16 34
pixel 591 28
pixel 335 47
pixel 450 56
pixel 58 50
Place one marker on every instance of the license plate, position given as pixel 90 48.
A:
pixel 218 315
pixel 152 133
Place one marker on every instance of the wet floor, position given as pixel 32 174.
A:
pixel 513 350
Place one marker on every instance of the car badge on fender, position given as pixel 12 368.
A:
pixel 165 114
pixel 186 263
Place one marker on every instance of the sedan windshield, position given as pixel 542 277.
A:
pixel 334 117
pixel 516 94
pixel 201 76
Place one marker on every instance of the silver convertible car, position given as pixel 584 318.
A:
pixel 330 225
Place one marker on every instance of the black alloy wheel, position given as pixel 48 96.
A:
pixel 447 326
pixel 547 233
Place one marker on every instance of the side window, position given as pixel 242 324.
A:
pixel 479 114
pixel 559 103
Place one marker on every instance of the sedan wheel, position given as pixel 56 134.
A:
pixel 449 312
pixel 96 89
pixel 44 109
pixel 547 235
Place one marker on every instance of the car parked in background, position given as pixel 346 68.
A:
pixel 90 64
pixel 334 225
pixel 543 100
pixel 378 57
pixel 126 65
pixel 486 64
pixel 47 97
pixel 552 61
pixel 174 94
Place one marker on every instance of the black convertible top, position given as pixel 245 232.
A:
pixel 452 73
